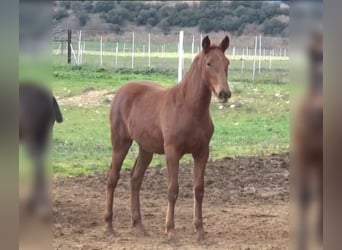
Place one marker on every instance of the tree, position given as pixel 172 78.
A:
pixel 65 5
pixel 60 14
pixel 208 16
pixel 164 26
pixel 273 26
pixel 116 29
pixel 206 25
pixel 88 6
pixel 116 16
pixel 103 6
pixel 83 18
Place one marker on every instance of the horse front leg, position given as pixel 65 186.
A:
pixel 172 161
pixel 200 162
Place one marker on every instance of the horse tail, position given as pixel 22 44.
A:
pixel 56 111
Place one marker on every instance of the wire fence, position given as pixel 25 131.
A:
pixel 254 54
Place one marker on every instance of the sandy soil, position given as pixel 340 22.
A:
pixel 246 206
pixel 88 97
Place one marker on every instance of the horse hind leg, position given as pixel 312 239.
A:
pixel 120 150
pixel 39 200
pixel 137 175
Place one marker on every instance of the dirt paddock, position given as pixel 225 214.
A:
pixel 245 207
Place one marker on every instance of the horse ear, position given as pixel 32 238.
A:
pixel 224 44
pixel 205 44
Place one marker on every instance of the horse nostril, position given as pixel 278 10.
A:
pixel 224 95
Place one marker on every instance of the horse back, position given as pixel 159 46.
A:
pixel 141 95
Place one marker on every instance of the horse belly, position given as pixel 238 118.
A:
pixel 147 135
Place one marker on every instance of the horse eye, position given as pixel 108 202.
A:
pixel 208 64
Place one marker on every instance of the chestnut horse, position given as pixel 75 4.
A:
pixel 174 122
pixel 308 142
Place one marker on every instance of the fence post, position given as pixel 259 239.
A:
pixel 132 50
pixel 149 50
pixel 116 54
pixel 73 53
pixel 242 60
pixel 270 64
pixel 192 48
pixel 259 53
pixel 79 48
pixel 180 55
pixel 254 58
pixel 69 46
pixel 201 38
pixel 101 51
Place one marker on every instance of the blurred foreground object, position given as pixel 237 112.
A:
pixel 307 151
pixel 38 111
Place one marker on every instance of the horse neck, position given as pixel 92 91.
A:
pixel 196 93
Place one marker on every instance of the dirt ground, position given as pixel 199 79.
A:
pixel 246 206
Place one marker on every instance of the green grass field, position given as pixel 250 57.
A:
pixel 255 121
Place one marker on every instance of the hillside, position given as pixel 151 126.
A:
pixel 237 18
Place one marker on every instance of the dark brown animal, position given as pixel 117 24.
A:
pixel 38 112
pixel 174 122
pixel 308 143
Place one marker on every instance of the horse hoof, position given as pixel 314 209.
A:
pixel 140 230
pixel 202 239
pixel 172 239
pixel 108 229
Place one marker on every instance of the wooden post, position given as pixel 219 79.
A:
pixel 69 46
pixel 270 64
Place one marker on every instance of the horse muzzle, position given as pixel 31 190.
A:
pixel 224 95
